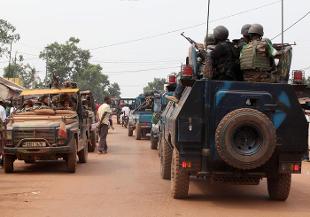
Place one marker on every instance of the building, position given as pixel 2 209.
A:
pixel 9 89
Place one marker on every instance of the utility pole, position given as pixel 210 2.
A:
pixel 208 16
pixel 282 21
pixel 46 69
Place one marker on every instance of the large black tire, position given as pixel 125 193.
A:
pixel 83 155
pixel 154 143
pixel 130 131
pixel 71 160
pixel 93 142
pixel 165 160
pixel 179 178
pixel 8 164
pixel 279 186
pixel 245 139
pixel 138 132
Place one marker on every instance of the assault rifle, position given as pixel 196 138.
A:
pixel 195 44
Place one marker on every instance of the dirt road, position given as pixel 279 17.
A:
pixel 126 183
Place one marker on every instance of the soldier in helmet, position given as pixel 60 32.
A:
pixel 257 57
pixel 224 57
pixel 245 39
pixel 209 47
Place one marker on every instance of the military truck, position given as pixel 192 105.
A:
pixel 140 118
pixel 160 104
pixel 234 132
pixel 89 106
pixel 56 128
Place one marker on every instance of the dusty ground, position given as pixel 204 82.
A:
pixel 126 182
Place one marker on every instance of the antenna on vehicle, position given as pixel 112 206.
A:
pixel 208 16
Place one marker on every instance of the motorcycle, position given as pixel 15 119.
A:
pixel 125 120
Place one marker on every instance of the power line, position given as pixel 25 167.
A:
pixel 141 70
pixel 291 26
pixel 136 61
pixel 185 28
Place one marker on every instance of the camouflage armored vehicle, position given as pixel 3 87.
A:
pixel 56 126
pixel 234 132
pixel 89 106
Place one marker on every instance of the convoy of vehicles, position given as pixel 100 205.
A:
pixel 226 131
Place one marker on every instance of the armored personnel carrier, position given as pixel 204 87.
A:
pixel 234 132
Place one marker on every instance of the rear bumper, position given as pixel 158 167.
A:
pixel 202 163
pixel 38 151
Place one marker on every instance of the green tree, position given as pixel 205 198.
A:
pixel 92 78
pixel 157 84
pixel 25 72
pixel 114 90
pixel 66 60
pixel 7 36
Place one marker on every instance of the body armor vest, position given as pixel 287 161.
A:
pixel 255 56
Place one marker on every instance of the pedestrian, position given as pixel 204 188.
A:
pixel 257 57
pixel 104 113
pixel 2 122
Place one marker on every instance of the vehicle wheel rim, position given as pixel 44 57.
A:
pixel 247 140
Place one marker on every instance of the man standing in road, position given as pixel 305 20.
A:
pixel 2 121
pixel 104 113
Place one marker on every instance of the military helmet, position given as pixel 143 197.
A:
pixel 245 29
pixel 220 33
pixel 256 29
pixel 209 39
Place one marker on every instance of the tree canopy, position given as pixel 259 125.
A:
pixel 157 84
pixel 7 36
pixel 25 72
pixel 70 62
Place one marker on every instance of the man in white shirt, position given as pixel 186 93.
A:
pixel 2 120
pixel 2 111
pixel 104 113
pixel 125 111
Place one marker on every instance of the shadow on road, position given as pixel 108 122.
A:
pixel 246 197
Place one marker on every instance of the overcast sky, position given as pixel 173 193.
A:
pixel 98 23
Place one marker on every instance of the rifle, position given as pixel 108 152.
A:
pixel 195 44
pixel 280 46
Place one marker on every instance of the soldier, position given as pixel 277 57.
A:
pixel 257 57
pixel 245 39
pixel 224 57
pixel 209 46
